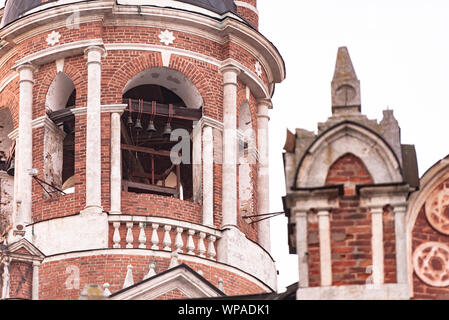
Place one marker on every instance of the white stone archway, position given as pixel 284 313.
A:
pixel 348 137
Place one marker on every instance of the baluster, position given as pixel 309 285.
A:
pixel 201 245
pixel 211 253
pixel 142 236
pixel 167 239
pixel 190 244
pixel 178 241
pixel 116 238
pixel 129 235
pixel 155 237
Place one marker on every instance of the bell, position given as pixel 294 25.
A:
pixel 167 130
pixel 151 128
pixel 138 125
pixel 10 170
pixel 130 121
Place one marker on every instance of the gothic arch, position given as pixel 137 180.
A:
pixel 348 137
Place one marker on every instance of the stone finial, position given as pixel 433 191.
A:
pixel 174 260
pixel 220 285
pixel 106 291
pixel 345 86
pixel 151 272
pixel 129 280
pixel 92 292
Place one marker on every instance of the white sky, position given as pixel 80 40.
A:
pixel 400 51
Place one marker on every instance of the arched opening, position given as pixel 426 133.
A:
pixel 59 149
pixel 157 126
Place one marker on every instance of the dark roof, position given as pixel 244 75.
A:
pixel 410 165
pixel 15 8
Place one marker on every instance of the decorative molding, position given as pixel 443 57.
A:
pixel 167 37
pixel 160 254
pixel 53 38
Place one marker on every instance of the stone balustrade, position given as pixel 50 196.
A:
pixel 155 233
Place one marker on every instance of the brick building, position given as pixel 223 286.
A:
pixel 363 224
pixel 133 149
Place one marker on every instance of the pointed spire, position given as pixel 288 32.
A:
pixel 345 86
pixel 106 291
pixel 129 280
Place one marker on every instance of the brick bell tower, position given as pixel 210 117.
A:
pixel 134 145
pixel 347 192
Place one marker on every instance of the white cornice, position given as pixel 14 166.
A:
pixel 58 52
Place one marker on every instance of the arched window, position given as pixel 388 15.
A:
pixel 59 145
pixel 163 106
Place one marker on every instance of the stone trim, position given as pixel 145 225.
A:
pixel 247 6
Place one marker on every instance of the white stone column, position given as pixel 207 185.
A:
pixel 116 163
pixel 263 181
pixel 25 163
pixel 377 244
pixel 302 249
pixel 208 176
pixel 229 177
pixel 197 161
pixel 35 285
pixel 401 244
pixel 93 131
pixel 325 248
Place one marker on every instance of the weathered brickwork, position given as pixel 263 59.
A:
pixel 21 274
pixel 350 225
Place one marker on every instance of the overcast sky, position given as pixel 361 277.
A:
pixel 400 51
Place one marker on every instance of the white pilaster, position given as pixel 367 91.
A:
pixel 229 177
pixel 116 163
pixel 377 244
pixel 93 131
pixel 325 248
pixel 208 177
pixel 35 285
pixel 302 249
pixel 25 163
pixel 401 244
pixel 197 162
pixel 263 182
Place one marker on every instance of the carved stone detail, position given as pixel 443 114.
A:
pixel 431 263
pixel 437 210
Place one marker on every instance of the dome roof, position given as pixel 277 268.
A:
pixel 15 8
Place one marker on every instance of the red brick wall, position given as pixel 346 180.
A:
pixel 112 269
pixel 160 206
pixel 249 14
pixel 21 277
pixel 350 225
